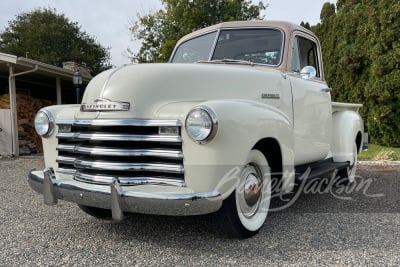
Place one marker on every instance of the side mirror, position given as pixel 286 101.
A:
pixel 308 73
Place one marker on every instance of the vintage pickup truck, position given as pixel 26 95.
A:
pixel 238 105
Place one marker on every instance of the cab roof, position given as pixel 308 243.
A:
pixel 287 27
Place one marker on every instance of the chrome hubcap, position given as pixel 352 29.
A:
pixel 251 191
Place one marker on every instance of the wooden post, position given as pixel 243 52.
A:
pixel 58 86
pixel 13 107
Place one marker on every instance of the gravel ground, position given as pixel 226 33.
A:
pixel 318 229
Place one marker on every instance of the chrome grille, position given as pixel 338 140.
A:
pixel 131 150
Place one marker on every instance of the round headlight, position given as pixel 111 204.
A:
pixel 43 123
pixel 201 124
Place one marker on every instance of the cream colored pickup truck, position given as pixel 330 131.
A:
pixel 239 105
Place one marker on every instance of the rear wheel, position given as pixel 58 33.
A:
pixel 347 175
pixel 244 212
pixel 96 212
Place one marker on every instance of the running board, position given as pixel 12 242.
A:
pixel 319 168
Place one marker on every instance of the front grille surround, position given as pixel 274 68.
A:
pixel 130 150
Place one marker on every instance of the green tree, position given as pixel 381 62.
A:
pixel 361 48
pixel 160 31
pixel 49 37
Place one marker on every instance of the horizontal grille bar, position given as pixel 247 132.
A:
pixel 120 166
pixel 162 153
pixel 127 166
pixel 121 122
pixel 66 160
pixel 124 180
pixel 119 137
pixel 103 179
pixel 66 171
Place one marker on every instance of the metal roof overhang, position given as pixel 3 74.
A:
pixel 22 64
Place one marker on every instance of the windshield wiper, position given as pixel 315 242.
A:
pixel 228 61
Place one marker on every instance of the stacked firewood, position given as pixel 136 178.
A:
pixel 4 101
pixel 27 106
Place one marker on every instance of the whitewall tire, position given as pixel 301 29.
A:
pixel 244 212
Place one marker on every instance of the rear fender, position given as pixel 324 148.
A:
pixel 346 126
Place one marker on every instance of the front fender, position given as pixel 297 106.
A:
pixel 241 124
pixel 50 143
pixel 346 126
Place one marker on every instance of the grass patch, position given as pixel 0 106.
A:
pixel 376 152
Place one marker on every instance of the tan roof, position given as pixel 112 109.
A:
pixel 284 25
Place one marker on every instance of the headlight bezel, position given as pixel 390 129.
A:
pixel 213 120
pixel 50 123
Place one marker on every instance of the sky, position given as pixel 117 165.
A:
pixel 109 20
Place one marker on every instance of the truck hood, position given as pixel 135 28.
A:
pixel 151 87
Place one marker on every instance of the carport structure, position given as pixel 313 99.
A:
pixel 19 75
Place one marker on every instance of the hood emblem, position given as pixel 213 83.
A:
pixel 105 105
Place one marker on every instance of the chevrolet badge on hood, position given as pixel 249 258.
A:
pixel 105 105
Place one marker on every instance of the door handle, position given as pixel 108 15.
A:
pixel 326 90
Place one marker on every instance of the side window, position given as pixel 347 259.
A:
pixel 305 53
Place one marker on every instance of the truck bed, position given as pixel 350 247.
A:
pixel 339 106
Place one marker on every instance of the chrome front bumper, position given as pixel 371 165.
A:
pixel 115 198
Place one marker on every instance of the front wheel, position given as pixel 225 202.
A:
pixel 244 212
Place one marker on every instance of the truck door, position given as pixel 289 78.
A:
pixel 312 109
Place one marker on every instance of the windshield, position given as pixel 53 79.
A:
pixel 196 49
pixel 259 46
